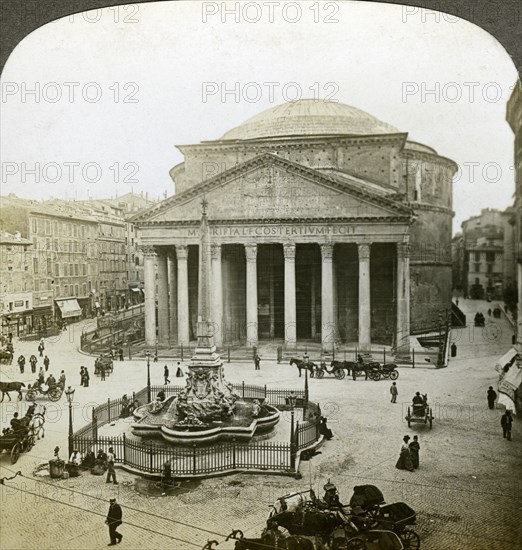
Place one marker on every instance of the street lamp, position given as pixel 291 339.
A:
pixel 69 393
pixel 147 354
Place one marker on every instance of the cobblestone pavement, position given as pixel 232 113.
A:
pixel 467 492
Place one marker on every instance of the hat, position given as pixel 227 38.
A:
pixel 112 500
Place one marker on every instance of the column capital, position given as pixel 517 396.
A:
pixel 403 250
pixel 215 251
pixel 364 251
pixel 289 252
pixel 148 250
pixel 182 251
pixel 251 252
pixel 327 251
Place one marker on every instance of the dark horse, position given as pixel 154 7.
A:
pixel 6 387
pixel 301 365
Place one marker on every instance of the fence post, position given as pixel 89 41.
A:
pixel 243 388
pixel 94 426
pixel 265 391
pixel 124 449
pixel 234 453
pixel 384 355
pixel 181 349
pixel 413 358
pixel 228 354
pixel 109 408
pixel 194 468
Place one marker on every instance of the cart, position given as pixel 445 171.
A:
pixel 397 517
pixel 16 442
pixel 421 412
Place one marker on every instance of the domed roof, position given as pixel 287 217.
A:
pixel 309 117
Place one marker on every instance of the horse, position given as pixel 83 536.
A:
pixel 6 387
pixel 36 424
pixel 300 364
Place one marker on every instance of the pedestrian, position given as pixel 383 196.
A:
pixel 21 363
pixel 414 452
pixel 86 378
pixel 179 371
pixel 257 362
pixel 489 312
pixel 10 336
pixel 102 370
pixel 82 375
pixel 41 376
pixel 354 373
pixel 46 363
pixel 404 462
pixel 454 350
pixel 120 353
pixel 506 421
pixel 492 395
pixel 166 374
pixel 41 347
pixel 64 326
pixel 394 392
pixel 114 521
pixel 111 473
pixel 33 360
pixel 61 380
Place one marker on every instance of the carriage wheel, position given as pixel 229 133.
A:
pixel 319 373
pixel 394 374
pixel 30 395
pixel 375 376
pixel 54 395
pixel 339 374
pixel 410 539
pixel 15 452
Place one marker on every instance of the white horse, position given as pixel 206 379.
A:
pixel 36 424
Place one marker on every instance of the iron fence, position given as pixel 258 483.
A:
pixel 221 457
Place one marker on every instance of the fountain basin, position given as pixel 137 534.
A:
pixel 242 429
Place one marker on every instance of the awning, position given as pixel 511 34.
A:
pixel 507 387
pixel 69 308
pixel 506 359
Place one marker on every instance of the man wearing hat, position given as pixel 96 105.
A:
pixel 114 521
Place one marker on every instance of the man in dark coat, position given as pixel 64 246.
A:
pixel 21 363
pixel 33 360
pixel 46 363
pixel 120 353
pixel 114 521
pixel 506 421
pixel 492 395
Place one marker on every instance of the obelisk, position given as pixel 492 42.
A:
pixel 205 352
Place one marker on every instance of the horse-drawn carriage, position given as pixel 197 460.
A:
pixel 420 412
pixel 104 361
pixel 6 354
pixel 23 438
pixel 54 393
pixel 378 371
pixel 303 521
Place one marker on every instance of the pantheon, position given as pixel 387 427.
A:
pixel 327 225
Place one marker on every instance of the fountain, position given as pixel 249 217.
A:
pixel 207 409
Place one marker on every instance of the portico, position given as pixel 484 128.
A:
pixel 286 290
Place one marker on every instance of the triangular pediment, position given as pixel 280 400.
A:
pixel 268 187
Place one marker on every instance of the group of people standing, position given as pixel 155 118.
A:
pixel 33 360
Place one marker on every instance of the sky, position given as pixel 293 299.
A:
pixel 93 105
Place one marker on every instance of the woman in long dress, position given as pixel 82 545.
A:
pixel 414 451
pixel 405 462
